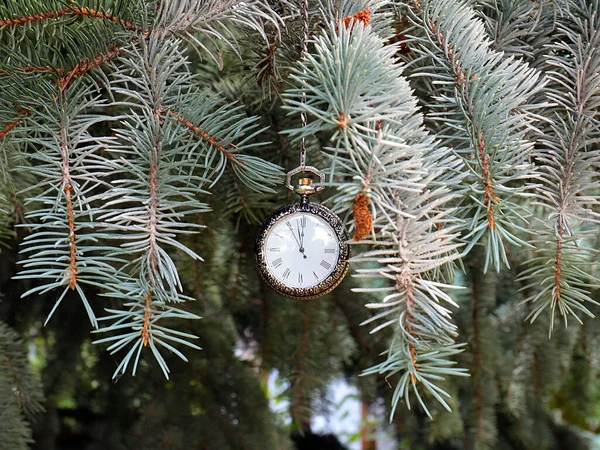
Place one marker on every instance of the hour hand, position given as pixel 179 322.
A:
pixel 302 226
pixel 300 234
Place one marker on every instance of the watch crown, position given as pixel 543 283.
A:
pixel 305 186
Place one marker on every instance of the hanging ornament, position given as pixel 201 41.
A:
pixel 302 249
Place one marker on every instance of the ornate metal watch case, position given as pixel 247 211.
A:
pixel 340 267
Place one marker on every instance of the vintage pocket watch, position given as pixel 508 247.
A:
pixel 302 249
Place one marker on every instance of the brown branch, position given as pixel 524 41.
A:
pixel 267 65
pixel 152 258
pixel 72 246
pixel 68 188
pixel 208 138
pixel 367 430
pixel 79 11
pixel 489 197
pixel 89 12
pixel 19 216
pixel 399 37
pixel 30 69
pixel 85 65
pixel 16 120
pixel 404 283
pixel 81 68
pixel 147 317
pixel 558 262
pixel 35 17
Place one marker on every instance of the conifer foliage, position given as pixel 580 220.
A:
pixel 381 151
pixel 108 219
pixel 20 391
pixel 141 141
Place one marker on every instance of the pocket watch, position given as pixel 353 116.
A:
pixel 302 249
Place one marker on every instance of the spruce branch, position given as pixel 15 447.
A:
pixel 146 206
pixel 392 176
pixel 234 135
pixel 28 12
pixel 63 74
pixel 32 44
pixel 160 182
pixel 15 371
pixel 86 65
pixel 376 13
pixel 569 160
pixel 341 103
pixel 21 393
pixel 407 252
pixel 521 29
pixel 63 77
pixel 204 23
pixel 481 111
pixel 16 120
pixel 246 205
pixel 62 248
pixel 14 429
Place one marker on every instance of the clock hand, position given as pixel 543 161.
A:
pixel 301 237
pixel 303 224
pixel 301 249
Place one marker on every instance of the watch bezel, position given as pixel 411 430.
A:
pixel 340 268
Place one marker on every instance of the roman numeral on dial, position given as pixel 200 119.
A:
pixel 286 274
pixel 278 262
pixel 330 250
pixel 325 264
pixel 300 279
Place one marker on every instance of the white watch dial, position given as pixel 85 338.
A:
pixel 301 250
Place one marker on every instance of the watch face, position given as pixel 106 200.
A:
pixel 302 250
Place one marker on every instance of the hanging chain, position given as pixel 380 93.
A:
pixel 303 51
pixel 303 168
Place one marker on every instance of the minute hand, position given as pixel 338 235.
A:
pixel 295 237
pixel 301 233
pixel 301 237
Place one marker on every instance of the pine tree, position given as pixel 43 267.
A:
pixel 143 141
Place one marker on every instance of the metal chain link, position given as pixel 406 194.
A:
pixel 303 51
